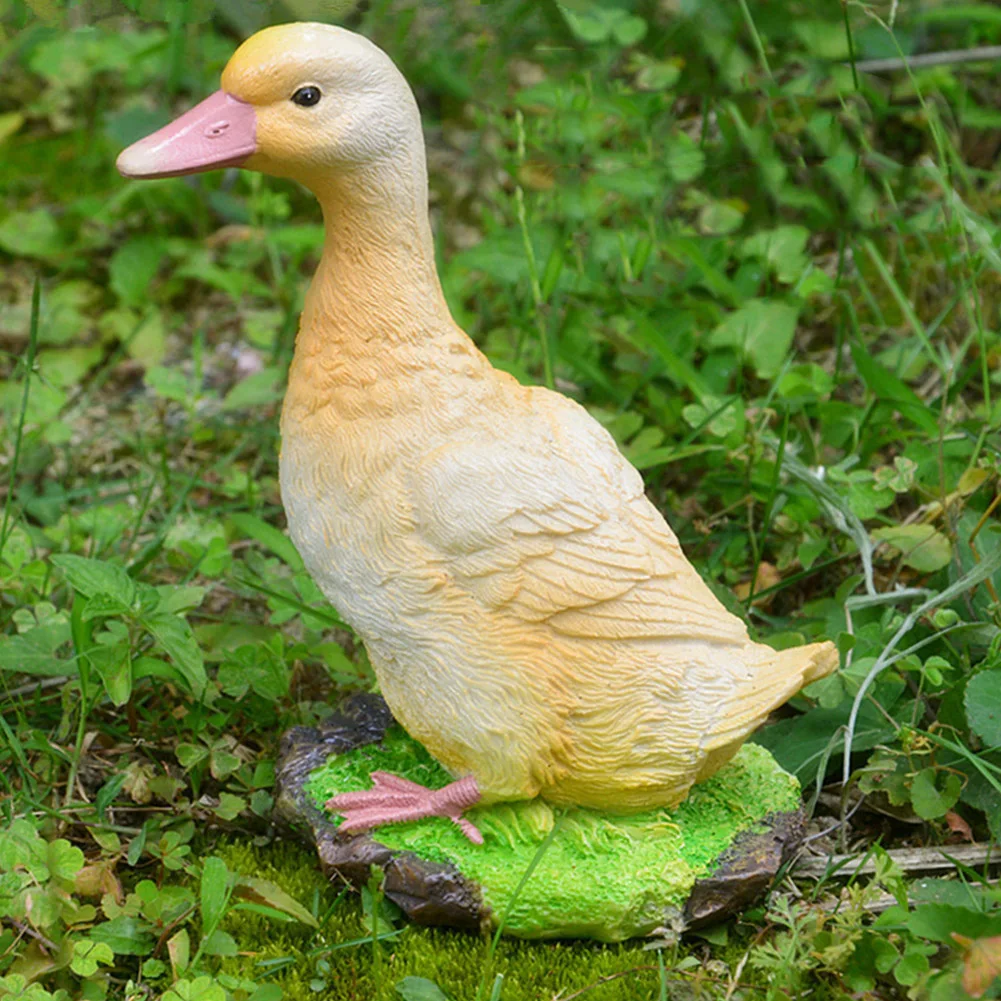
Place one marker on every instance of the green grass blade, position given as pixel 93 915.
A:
pixel 36 301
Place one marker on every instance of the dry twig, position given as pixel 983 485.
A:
pixel 926 860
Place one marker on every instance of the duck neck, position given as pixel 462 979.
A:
pixel 376 336
pixel 377 284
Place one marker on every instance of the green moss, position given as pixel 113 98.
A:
pixel 602 876
pixel 322 964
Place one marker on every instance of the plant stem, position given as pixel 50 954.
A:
pixel 36 300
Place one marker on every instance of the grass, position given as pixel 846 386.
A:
pixel 772 274
pixel 530 970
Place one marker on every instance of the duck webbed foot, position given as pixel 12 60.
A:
pixel 392 800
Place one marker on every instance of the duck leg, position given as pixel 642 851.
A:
pixel 392 800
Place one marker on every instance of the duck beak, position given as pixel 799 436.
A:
pixel 221 131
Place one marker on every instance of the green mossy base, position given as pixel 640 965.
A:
pixel 601 876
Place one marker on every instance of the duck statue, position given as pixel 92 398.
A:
pixel 530 616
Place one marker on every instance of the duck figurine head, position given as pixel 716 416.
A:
pixel 310 102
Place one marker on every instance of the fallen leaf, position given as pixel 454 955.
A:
pixel 766 577
pixel 263 891
pixel 98 879
pixel 958 826
pixel 981 964
pixel 136 784
pixel 233 233
pixel 536 176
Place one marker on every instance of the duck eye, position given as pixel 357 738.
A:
pixel 306 97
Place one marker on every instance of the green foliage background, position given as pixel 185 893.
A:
pixel 771 271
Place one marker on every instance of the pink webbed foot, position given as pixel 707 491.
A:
pixel 392 800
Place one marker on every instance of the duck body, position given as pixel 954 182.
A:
pixel 529 614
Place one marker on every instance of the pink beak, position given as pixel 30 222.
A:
pixel 221 131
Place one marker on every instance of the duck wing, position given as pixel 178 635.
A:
pixel 540 515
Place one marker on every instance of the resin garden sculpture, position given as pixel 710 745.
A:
pixel 530 616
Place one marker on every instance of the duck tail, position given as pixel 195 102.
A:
pixel 809 663
pixel 776 677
